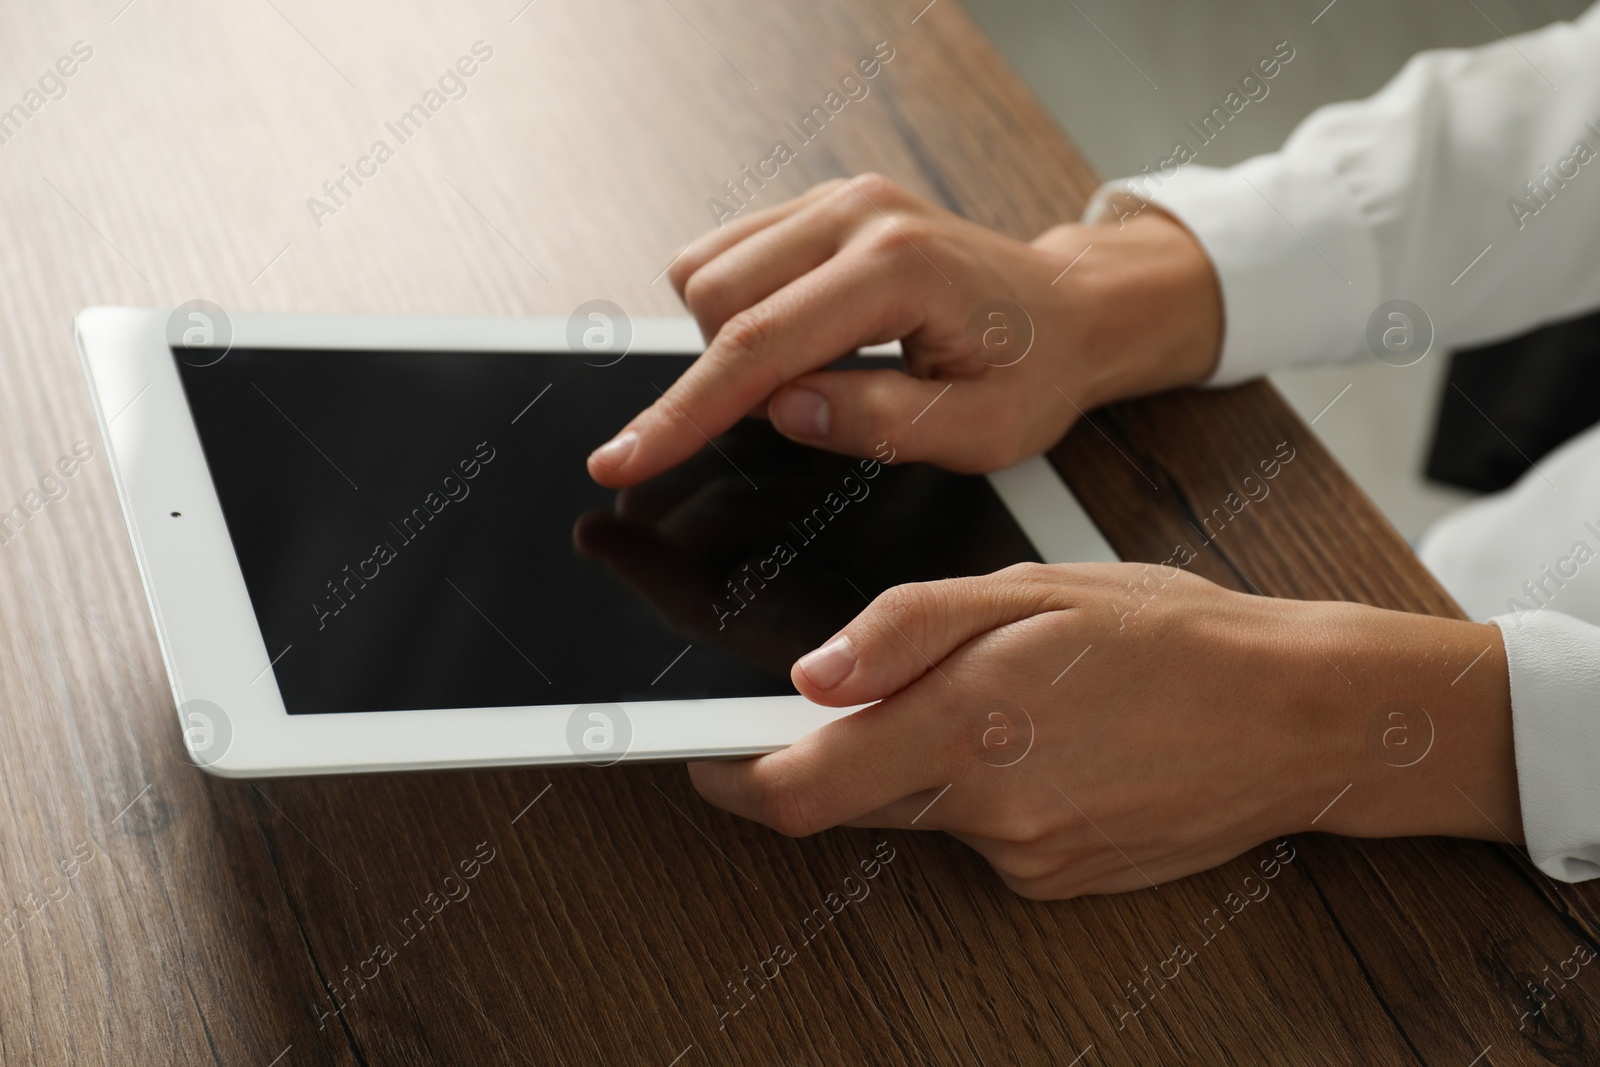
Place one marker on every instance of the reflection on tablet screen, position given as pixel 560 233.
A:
pixel 418 530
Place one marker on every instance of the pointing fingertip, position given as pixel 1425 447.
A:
pixel 829 665
pixel 614 454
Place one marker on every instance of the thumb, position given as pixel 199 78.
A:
pixel 964 425
pixel 909 629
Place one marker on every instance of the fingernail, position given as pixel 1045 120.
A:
pixel 828 665
pixel 615 453
pixel 801 413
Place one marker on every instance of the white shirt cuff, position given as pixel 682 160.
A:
pixel 1296 260
pixel 1555 712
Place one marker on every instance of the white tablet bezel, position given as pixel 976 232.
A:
pixel 213 650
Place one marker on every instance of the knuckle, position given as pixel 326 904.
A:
pixel 1030 826
pixel 682 272
pixel 902 605
pixel 1038 872
pixel 879 240
pixel 705 289
pixel 1041 587
pixel 899 240
pixel 914 233
pixel 877 187
pixel 690 262
pixel 745 335
pixel 1032 834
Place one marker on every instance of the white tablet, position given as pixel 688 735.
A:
pixel 370 543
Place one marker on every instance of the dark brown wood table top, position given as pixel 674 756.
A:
pixel 156 915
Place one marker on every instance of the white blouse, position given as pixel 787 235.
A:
pixel 1457 206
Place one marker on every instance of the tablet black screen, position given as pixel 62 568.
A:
pixel 417 530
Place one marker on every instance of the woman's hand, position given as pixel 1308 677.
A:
pixel 1100 728
pixel 1023 336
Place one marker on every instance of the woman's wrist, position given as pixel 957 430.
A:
pixel 1415 715
pixel 1405 719
pixel 1144 303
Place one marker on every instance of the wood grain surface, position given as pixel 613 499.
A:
pixel 156 915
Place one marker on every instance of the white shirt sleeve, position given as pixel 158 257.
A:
pixel 1470 187
pixel 1555 720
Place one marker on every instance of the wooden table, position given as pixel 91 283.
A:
pixel 164 916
